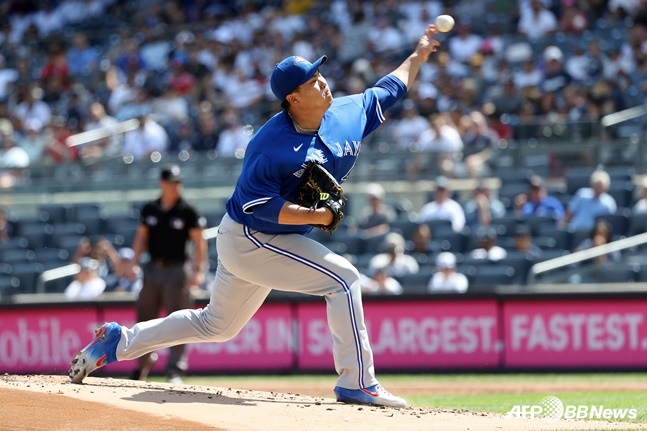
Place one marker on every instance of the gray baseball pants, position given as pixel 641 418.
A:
pixel 250 265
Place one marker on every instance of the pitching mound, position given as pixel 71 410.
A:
pixel 52 403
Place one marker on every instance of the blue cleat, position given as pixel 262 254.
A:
pixel 374 395
pixel 101 351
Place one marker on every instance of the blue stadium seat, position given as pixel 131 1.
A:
pixel 492 275
pixel 619 223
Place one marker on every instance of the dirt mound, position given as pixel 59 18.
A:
pixel 52 403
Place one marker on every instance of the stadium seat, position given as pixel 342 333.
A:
pixel 451 241
pixel 36 234
pixel 17 255
pixel 374 244
pixel 613 272
pixel 520 264
pixel 535 223
pixel 576 178
pixel 637 224
pixel 51 253
pixel 619 223
pixel 8 285
pixel 405 227
pixel 54 213
pixel 14 242
pixel 623 193
pixel 505 226
pixel 493 275
pixel 417 283
pixel 439 226
pixel 27 273
pixel 90 215
pixel 563 238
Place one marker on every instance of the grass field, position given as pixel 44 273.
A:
pixel 496 393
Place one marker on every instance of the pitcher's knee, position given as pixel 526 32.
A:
pixel 213 327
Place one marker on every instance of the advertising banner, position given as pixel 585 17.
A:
pixel 410 334
pixel 580 333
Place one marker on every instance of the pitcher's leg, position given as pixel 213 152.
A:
pixel 233 302
pixel 147 307
pixel 299 264
pixel 177 296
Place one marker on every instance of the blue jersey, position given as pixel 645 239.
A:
pixel 276 156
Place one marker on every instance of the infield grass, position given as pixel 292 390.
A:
pixel 499 402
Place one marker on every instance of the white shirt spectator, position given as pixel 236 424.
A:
pixel 448 141
pixel 494 254
pixel 233 141
pixel 537 26
pixel 452 282
pixel 407 130
pixel 447 210
pixel 463 48
pixel 14 157
pixel 88 290
pixel 48 21
pixel 7 76
pixel 38 110
pixel 143 141
pixel 113 146
pixel 446 279
pixel 528 76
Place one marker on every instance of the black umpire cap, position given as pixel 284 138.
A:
pixel 171 173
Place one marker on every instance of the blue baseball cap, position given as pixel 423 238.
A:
pixel 292 72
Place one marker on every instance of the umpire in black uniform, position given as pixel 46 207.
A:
pixel 168 225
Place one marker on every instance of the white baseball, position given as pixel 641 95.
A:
pixel 444 23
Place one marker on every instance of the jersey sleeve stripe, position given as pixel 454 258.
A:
pixel 247 206
pixel 378 108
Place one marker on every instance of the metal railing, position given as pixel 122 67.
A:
pixel 580 256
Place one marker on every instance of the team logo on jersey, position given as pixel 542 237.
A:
pixel 349 148
pixel 317 156
pixel 177 223
pixel 151 221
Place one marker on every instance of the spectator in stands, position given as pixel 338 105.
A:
pixel 523 242
pixel 148 138
pixel 442 138
pixel 464 44
pixel 11 155
pixel 641 205
pixel 536 22
pixel 87 284
pixel 529 75
pixel 127 276
pixel 376 217
pixel 33 141
pixel 480 143
pixel 537 202
pixel 588 203
pixel 421 241
pixel 99 250
pixel 407 129
pixel 8 75
pixel 446 279
pixel 443 207
pixel 56 149
pixel 486 246
pixel 555 76
pixel 601 234
pixel 394 262
pixel 233 140
pixel 482 208
pixel 82 59
pixel 32 107
pixel 5 227
pixel 105 147
pixel 380 283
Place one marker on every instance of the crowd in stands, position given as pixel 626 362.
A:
pixel 196 73
pixel 195 76
pixel 454 243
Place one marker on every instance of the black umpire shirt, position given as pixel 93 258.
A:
pixel 169 230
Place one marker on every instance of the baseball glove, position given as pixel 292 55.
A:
pixel 320 189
